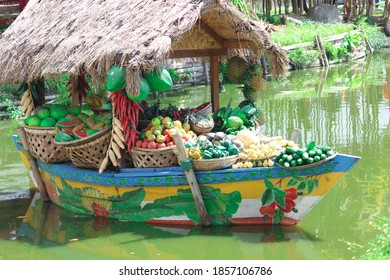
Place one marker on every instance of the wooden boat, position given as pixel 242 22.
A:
pixel 163 195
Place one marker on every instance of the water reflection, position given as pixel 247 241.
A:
pixel 61 226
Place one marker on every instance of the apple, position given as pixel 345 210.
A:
pixel 186 127
pixel 169 125
pixel 177 124
pixel 138 144
pixel 169 144
pixel 147 133
pixel 165 120
pixel 156 122
pixel 152 145
pixel 151 138
pixel 161 145
pixel 157 132
pixel 167 139
pixel 165 132
pixel 160 139
pixel 144 144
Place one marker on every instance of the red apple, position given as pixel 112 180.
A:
pixel 144 144
pixel 161 145
pixel 165 132
pixel 138 144
pixel 167 139
pixel 152 145
pixel 169 144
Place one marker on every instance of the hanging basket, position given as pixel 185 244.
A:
pixel 42 145
pixel 204 109
pixel 90 151
pixel 214 163
pixel 163 157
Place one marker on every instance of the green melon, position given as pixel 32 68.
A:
pixel 48 122
pixel 79 134
pixel 74 110
pixel 58 114
pixel 92 131
pixel 43 113
pixel 33 121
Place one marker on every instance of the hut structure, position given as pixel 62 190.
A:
pixel 51 37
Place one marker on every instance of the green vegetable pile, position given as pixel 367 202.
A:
pixel 291 157
pixel 215 149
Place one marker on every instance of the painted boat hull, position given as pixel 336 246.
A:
pixel 163 196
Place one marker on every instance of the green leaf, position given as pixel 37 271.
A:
pixel 268 184
pixel 278 217
pixel 278 191
pixel 268 197
pixel 311 145
pixel 281 200
pixel 299 179
pixel 309 186
pixel 301 186
pixel 316 183
pixel 292 182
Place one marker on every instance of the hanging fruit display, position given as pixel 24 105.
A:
pixel 159 80
pixel 116 78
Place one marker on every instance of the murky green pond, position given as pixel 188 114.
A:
pixel 346 107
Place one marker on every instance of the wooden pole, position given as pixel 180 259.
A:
pixel 214 81
pixel 191 178
pixel 34 167
pixel 43 209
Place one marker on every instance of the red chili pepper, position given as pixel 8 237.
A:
pixel 268 210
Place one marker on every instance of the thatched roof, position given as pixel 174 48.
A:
pixel 51 37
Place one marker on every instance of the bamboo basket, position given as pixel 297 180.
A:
pixel 214 163
pixel 42 145
pixel 163 157
pixel 308 165
pixel 200 129
pixel 90 151
pixel 208 110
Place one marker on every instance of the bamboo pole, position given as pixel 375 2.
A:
pixel 34 168
pixel 192 181
pixel 43 209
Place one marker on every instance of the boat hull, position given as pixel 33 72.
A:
pixel 249 196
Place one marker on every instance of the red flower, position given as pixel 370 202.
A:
pixel 99 210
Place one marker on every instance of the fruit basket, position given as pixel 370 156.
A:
pixel 201 124
pixel 163 157
pixel 90 151
pixel 42 145
pixel 214 163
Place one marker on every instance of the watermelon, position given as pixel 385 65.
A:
pixel 68 130
pixel 62 137
pixel 79 134
pixel 68 123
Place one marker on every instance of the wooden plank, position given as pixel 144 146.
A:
pixel 197 53
pixel 240 44
pixel 214 82
pixel 182 156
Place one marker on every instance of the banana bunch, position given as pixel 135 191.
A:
pixel 116 147
pixel 27 103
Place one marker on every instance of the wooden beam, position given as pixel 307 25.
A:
pixel 211 32
pixel 214 82
pixel 197 53
pixel 10 9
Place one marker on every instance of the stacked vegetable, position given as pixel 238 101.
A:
pixel 291 156
pixel 214 145
pixel 230 121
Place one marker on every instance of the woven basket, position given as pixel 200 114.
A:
pixel 42 145
pixel 208 110
pixel 163 157
pixel 200 129
pixel 90 151
pixel 214 163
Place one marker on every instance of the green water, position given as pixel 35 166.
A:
pixel 346 107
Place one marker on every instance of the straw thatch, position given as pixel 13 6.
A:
pixel 51 37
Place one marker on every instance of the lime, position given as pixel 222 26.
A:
pixel 310 160
pixel 317 158
pixel 299 161
pixel 286 164
pixel 311 153
pixel 323 156
pixel 293 163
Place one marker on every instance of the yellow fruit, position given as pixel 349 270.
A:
pixel 177 124
pixel 186 127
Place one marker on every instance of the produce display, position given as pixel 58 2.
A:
pixel 159 133
pixel 231 120
pixel 212 146
pixel 291 156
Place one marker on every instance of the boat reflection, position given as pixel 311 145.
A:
pixel 46 224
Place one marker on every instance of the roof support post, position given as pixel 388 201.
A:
pixel 214 82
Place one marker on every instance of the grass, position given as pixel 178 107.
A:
pixel 292 34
